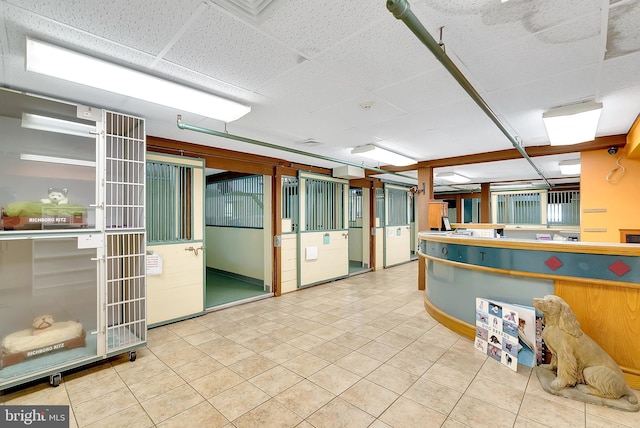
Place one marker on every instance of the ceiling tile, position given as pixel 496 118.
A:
pixel 146 25
pixel 228 49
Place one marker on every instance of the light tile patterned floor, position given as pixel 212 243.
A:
pixel 360 352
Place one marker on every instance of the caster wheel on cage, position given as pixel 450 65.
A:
pixel 132 356
pixel 55 379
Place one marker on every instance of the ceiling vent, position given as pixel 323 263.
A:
pixel 255 11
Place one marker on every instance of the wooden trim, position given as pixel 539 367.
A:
pixel 477 226
pixel 625 232
pixel 276 192
pixel 593 281
pixel 599 143
pixel 452 323
pixel 485 202
pixel 554 246
pixel 227 175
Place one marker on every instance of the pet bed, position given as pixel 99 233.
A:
pixel 38 215
pixel 17 347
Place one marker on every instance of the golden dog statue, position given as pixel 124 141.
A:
pixel 578 360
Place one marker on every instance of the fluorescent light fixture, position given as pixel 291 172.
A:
pixel 511 186
pixel 452 177
pixel 51 159
pixel 572 124
pixel 75 67
pixel 51 124
pixel 382 155
pixel 569 167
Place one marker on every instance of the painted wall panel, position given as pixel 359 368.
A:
pixel 236 250
pixel 397 244
pixel 289 268
pixel 355 244
pixel 178 291
pixel 333 257
pixel 608 206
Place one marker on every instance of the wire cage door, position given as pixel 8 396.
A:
pixel 125 315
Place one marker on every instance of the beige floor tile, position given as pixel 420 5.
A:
pixel 39 394
pixel 351 341
pixel 327 332
pixel 406 413
pixel 449 376
pixel 198 368
pixel 236 401
pixel 358 363
pixel 187 328
pixel 99 408
pixel 378 351
pixel 410 362
pixel 370 397
pixel 141 370
pixel 534 388
pixel 330 351
pixel 379 424
pixel 334 379
pixel 522 422
pixel 155 386
pixel 476 413
pixel 395 340
pixel 339 413
pixel 242 335
pixel 171 403
pixel 630 419
pixel 275 380
pixel 368 331
pixel 93 385
pixel 598 422
pixel 432 395
pixel 252 366
pixel 306 342
pixel 304 398
pixel 230 354
pixel 182 356
pixel 216 382
pixel 392 378
pixel 271 414
pixel 282 353
pixel 496 394
pixel 452 423
pixel 305 364
pixel 408 330
pixel 262 343
pixel 200 415
pixel 132 417
pixel 494 371
pixel 550 413
pixel 284 333
pixel 466 362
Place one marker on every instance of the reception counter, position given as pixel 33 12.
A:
pixel 601 283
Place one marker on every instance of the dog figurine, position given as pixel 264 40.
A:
pixel 578 360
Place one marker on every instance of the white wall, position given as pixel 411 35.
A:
pixel 235 250
pixel 289 264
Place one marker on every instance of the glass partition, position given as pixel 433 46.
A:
pixel 47 165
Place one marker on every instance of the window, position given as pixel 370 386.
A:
pixel 290 202
pixel 324 205
pixel 355 207
pixel 519 208
pixel 235 202
pixel 398 210
pixel 380 208
pixel 563 208
pixel 169 213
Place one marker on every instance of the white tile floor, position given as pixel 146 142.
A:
pixel 360 352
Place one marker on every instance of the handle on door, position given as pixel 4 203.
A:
pixel 195 250
pixel 346 235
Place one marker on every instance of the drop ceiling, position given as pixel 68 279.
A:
pixel 308 68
